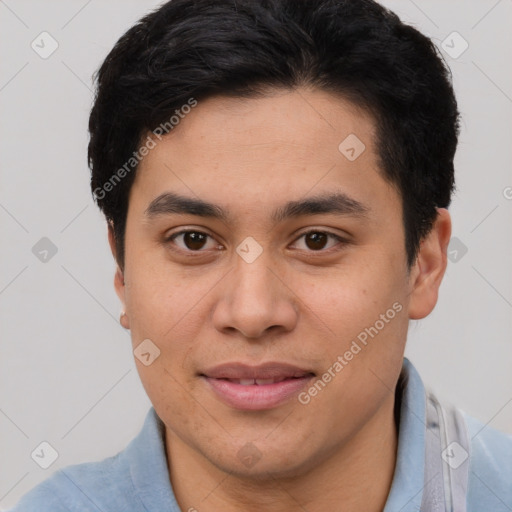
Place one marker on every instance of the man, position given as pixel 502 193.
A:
pixel 276 176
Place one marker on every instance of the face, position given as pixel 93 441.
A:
pixel 267 266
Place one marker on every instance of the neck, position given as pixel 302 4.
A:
pixel 356 477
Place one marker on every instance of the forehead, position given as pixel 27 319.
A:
pixel 236 152
pixel 302 122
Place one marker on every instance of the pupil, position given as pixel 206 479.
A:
pixel 318 240
pixel 194 240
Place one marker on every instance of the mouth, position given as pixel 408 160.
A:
pixel 259 382
pixel 260 387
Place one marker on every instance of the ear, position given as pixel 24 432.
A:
pixel 428 270
pixel 119 284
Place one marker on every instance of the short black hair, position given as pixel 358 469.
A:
pixel 194 49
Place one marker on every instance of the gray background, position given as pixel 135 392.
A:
pixel 67 374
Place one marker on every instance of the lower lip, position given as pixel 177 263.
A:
pixel 254 397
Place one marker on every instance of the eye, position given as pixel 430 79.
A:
pixel 192 240
pixel 197 241
pixel 316 240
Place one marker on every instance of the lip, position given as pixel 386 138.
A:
pixel 224 379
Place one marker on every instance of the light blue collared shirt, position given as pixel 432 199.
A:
pixel 137 478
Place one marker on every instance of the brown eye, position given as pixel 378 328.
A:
pixel 316 240
pixel 319 241
pixel 193 241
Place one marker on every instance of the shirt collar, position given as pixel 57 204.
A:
pixel 148 466
pixel 408 480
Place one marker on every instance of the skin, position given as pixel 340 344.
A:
pixel 295 303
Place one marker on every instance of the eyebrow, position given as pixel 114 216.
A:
pixel 338 203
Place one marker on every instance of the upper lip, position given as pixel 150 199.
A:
pixel 272 370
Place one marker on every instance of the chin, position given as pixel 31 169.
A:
pixel 266 464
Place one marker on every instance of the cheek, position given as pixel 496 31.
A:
pixel 162 300
pixel 354 296
pixel 365 312
pixel 170 393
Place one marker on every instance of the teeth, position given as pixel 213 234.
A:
pixel 259 382
pixel 262 382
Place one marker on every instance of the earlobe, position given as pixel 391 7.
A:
pixel 123 320
pixel 119 283
pixel 430 266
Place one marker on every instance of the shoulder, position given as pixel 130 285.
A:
pixel 132 480
pixel 102 485
pixel 490 466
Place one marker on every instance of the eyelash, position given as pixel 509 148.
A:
pixel 341 241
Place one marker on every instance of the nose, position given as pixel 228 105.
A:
pixel 255 300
